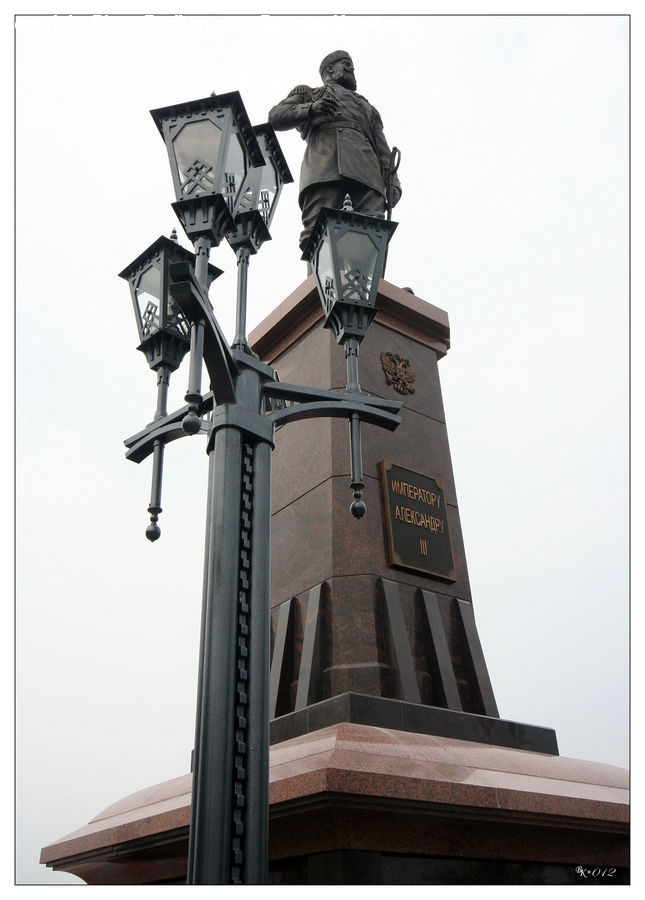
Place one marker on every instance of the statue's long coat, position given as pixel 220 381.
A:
pixel 351 145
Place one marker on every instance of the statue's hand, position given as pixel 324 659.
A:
pixel 326 106
pixel 396 195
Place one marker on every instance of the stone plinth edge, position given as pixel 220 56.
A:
pixel 397 309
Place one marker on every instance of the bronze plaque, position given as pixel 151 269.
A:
pixel 416 522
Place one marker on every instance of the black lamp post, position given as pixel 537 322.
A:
pixel 228 841
pixel 347 252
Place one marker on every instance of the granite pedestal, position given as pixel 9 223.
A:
pixel 390 763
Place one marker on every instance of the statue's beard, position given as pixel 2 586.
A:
pixel 347 81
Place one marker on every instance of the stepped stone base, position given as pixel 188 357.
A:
pixel 363 709
pixel 359 804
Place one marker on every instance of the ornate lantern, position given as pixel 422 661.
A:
pixel 262 192
pixel 212 149
pixel 164 332
pixel 347 253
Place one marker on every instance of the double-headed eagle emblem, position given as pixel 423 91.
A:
pixel 398 373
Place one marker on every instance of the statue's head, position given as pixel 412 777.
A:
pixel 338 67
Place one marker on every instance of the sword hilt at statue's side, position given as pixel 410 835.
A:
pixel 395 161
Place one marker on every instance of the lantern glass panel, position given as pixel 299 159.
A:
pixel 357 257
pixel 325 274
pixel 247 203
pixel 196 150
pixel 234 171
pixel 268 190
pixel 176 321
pixel 148 292
pixel 261 191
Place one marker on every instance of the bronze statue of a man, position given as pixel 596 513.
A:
pixel 346 149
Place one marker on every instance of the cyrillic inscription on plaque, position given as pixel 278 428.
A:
pixel 416 522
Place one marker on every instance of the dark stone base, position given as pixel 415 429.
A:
pixel 356 867
pixel 362 709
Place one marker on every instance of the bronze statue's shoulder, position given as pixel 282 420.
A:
pixel 304 91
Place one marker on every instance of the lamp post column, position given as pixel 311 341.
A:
pixel 257 780
pixel 242 255
pixel 153 532
pixel 229 817
pixel 193 397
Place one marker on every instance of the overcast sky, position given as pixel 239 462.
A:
pixel 514 219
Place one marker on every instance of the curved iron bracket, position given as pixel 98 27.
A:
pixel 308 403
pixel 167 432
pixel 340 410
pixel 314 403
